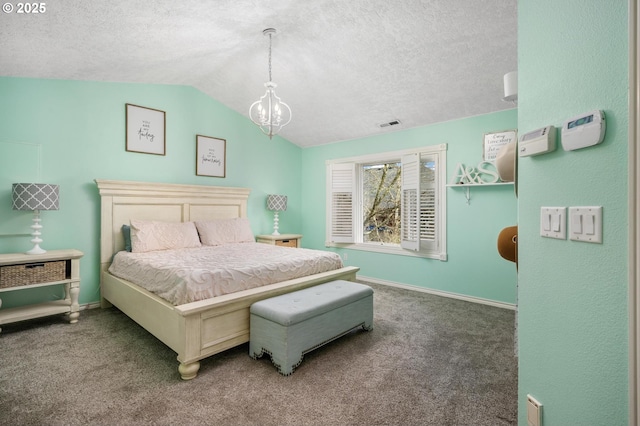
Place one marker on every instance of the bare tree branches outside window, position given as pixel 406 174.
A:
pixel 381 202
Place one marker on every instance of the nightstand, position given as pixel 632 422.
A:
pixel 19 271
pixel 284 240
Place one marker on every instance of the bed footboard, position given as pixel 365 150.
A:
pixel 201 329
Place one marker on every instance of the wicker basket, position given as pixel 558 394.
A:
pixel 32 273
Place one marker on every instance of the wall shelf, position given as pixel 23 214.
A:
pixel 467 187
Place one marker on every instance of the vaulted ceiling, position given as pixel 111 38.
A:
pixel 344 67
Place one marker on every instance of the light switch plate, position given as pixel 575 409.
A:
pixel 585 224
pixel 553 222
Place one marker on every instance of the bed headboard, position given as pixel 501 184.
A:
pixel 122 201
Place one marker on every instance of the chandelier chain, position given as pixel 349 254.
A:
pixel 270 56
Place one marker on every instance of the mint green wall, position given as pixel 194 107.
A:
pixel 78 131
pixel 474 267
pixel 71 132
pixel 573 317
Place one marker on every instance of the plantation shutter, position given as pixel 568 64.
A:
pixel 342 181
pixel 428 202
pixel 410 223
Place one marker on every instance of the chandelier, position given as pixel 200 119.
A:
pixel 269 112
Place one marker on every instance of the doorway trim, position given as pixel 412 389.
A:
pixel 634 211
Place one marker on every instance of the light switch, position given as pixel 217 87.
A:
pixel 553 222
pixel 576 223
pixel 589 228
pixel 585 224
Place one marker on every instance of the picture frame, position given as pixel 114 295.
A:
pixel 492 142
pixel 211 156
pixel 146 129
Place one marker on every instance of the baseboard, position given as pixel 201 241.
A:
pixel 90 306
pixel 450 295
pixel 472 299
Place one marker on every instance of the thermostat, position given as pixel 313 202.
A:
pixel 537 142
pixel 583 131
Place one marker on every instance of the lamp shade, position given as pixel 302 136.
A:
pixel 35 196
pixel 277 203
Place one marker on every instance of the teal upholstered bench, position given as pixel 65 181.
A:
pixel 288 326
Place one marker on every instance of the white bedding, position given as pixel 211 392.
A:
pixel 190 274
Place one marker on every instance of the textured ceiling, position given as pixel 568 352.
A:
pixel 344 67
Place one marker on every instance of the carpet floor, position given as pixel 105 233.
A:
pixel 429 360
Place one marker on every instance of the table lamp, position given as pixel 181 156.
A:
pixel 35 197
pixel 276 203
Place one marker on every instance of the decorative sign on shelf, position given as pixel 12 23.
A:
pixel 210 156
pixel 492 142
pixel 484 172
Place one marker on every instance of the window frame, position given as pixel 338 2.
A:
pixel 438 252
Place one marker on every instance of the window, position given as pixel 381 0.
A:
pixel 392 202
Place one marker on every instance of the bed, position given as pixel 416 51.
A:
pixel 194 330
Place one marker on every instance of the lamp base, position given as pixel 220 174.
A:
pixel 36 240
pixel 36 250
pixel 275 223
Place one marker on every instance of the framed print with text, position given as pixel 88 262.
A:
pixel 210 156
pixel 145 130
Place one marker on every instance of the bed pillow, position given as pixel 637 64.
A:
pixel 222 231
pixel 126 234
pixel 154 235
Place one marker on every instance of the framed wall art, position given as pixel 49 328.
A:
pixel 146 129
pixel 211 156
pixel 492 142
